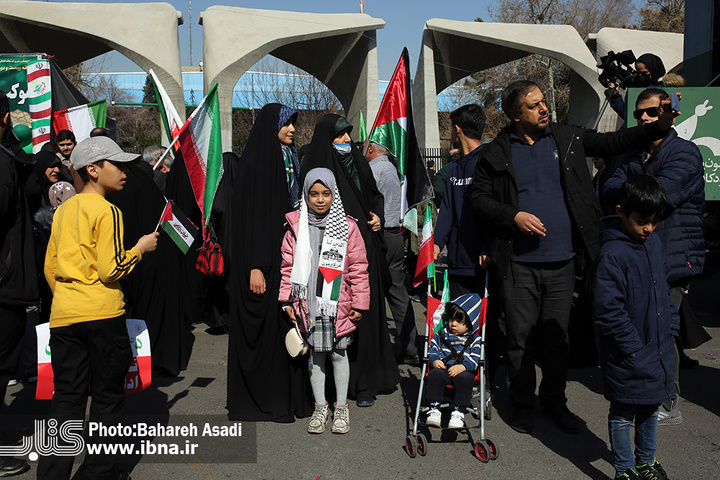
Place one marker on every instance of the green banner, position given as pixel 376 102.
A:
pixel 13 81
pixel 700 107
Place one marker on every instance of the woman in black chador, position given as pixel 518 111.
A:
pixel 373 368
pixel 264 382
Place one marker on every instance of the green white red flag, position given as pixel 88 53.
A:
pixel 201 144
pixel 169 114
pixel 395 130
pixel 39 94
pixel 426 262
pixel 81 119
pixel 436 308
pixel 178 226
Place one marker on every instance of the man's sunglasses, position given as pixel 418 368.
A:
pixel 651 111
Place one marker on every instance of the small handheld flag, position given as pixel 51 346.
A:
pixel 178 226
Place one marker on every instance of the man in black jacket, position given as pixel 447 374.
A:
pixel 533 187
pixel 18 275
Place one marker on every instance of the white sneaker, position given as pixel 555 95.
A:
pixel 433 418
pixel 457 420
pixel 341 419
pixel 319 419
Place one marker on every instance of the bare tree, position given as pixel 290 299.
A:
pixel 586 16
pixel 663 16
pixel 95 85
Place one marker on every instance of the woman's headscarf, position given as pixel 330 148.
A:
pixel 290 157
pixel 43 161
pixel 654 65
pixel 262 197
pixel 355 182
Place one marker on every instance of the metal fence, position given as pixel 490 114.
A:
pixel 438 156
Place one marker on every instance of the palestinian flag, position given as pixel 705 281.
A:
pixel 436 308
pixel 178 226
pixel 40 102
pixel 201 145
pixel 169 114
pixel 426 262
pixel 81 119
pixel 395 130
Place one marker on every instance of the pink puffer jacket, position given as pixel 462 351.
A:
pixel 355 291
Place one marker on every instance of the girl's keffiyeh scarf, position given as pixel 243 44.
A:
pixel 332 256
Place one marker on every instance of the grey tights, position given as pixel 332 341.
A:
pixel 341 371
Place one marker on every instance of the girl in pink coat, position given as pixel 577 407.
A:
pixel 325 288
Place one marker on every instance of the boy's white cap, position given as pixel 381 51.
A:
pixel 94 149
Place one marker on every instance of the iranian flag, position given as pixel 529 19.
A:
pixel 81 119
pixel 426 262
pixel 394 129
pixel 139 375
pixel 201 145
pixel 436 308
pixel 169 114
pixel 39 94
pixel 178 226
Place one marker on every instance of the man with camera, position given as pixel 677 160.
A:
pixel 534 191
pixel 678 165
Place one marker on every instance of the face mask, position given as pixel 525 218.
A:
pixel 342 148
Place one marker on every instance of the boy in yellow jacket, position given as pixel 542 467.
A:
pixel 88 338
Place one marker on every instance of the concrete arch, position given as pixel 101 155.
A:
pixel 146 33
pixel 452 50
pixel 338 49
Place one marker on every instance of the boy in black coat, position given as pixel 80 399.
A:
pixel 637 322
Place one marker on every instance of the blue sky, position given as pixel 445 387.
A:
pixel 404 21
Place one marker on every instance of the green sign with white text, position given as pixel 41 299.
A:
pixel 13 81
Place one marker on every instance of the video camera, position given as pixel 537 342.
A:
pixel 618 68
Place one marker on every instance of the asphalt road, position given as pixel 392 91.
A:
pixel 374 448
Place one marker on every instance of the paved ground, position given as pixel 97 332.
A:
pixel 374 447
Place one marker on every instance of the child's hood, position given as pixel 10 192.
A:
pixel 471 303
pixel 610 229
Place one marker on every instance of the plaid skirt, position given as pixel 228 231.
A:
pixel 322 336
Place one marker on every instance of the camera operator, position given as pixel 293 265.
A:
pixel 649 72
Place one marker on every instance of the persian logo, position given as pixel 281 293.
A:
pixel 47 440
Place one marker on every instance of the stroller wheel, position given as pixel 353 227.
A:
pixel 411 445
pixel 421 445
pixel 492 449
pixel 481 451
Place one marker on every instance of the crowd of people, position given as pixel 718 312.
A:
pixel 316 242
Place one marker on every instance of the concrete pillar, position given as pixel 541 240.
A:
pixel 425 96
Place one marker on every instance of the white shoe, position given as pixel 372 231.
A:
pixel 433 418
pixel 319 419
pixel 457 420
pixel 341 419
